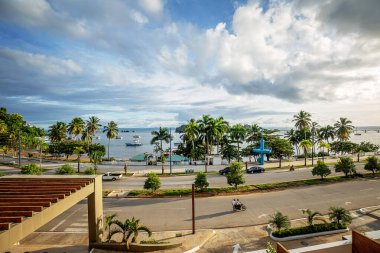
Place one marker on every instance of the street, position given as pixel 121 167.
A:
pixel 163 214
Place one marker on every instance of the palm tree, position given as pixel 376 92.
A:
pixel 302 120
pixel 279 220
pixel 306 145
pixel 191 132
pixel 326 133
pixel 238 134
pixel 136 227
pixel 314 133
pixel 221 127
pixel 76 127
pixel 96 158
pixel 92 125
pixel 310 215
pixel 112 131
pixel 323 145
pixel 79 151
pixel 340 215
pixel 57 132
pixel 109 220
pixel 161 135
pixel 254 134
pixel 343 129
pixel 292 136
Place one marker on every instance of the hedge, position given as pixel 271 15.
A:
pixel 316 228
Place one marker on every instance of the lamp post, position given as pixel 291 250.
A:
pixel 19 149
pixel 170 155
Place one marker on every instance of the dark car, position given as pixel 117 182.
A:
pixel 255 169
pixel 224 171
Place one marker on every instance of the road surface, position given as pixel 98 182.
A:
pixel 163 214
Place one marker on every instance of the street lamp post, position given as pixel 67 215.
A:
pixel 19 149
pixel 170 155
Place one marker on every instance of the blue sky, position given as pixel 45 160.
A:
pixel 150 63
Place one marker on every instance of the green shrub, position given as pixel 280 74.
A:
pixel 90 171
pixel 2 174
pixel 201 181
pixel 31 169
pixel 316 228
pixel 176 192
pixel 321 169
pixel 152 182
pixel 66 169
pixel 236 174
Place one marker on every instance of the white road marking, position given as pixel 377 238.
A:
pixel 75 230
pixel 347 203
pixel 60 223
pixel 262 215
pixel 79 225
pixel 368 189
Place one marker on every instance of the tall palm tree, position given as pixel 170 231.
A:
pixel 92 125
pixel 343 129
pixel 161 135
pixel 111 131
pixel 254 134
pixel 306 145
pixel 238 134
pixel 206 134
pixel 302 121
pixel 314 127
pixel 76 127
pixel 326 133
pixel 191 132
pixel 221 128
pixel 57 132
pixel 292 136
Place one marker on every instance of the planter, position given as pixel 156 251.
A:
pixel 296 237
pixel 134 247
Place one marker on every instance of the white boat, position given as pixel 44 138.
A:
pixel 135 142
pixel 119 137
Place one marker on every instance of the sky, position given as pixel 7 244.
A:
pixel 150 63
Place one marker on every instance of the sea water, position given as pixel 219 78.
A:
pixel 119 150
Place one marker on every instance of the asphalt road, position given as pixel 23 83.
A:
pixel 165 214
pixel 216 180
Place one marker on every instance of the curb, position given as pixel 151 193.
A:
pixel 195 249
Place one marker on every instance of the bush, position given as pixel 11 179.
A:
pixel 340 215
pixel 323 153
pixel 308 229
pixel 236 174
pixel 2 174
pixel 321 169
pixel 345 165
pixel 372 164
pixel 66 169
pixel 152 182
pixel 280 221
pixel 201 181
pixel 90 171
pixel 31 169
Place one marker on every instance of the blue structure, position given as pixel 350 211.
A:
pixel 262 151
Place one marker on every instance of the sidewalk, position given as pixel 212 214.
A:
pixel 249 238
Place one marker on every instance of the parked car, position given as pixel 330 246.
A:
pixel 224 171
pixel 255 169
pixel 111 176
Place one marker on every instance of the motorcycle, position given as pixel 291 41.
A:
pixel 236 208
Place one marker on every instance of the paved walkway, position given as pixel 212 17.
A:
pixel 249 238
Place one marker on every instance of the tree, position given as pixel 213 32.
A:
pixel 323 145
pixel 135 227
pixel 306 145
pixel 345 165
pixel 238 134
pixel 310 215
pixel 152 182
pixel 96 157
pixel 57 132
pixel 292 137
pixel 79 151
pixel 254 134
pixel 236 174
pixel 109 220
pixel 163 161
pixel 76 127
pixel 201 181
pixel 344 147
pixel 321 169
pixel 326 133
pixel 302 121
pixel 340 215
pixel 191 133
pixel 111 131
pixel 372 164
pixel 92 125
pixel 279 221
pixel 343 129
pixel 229 152
pixel 161 135
pixel 280 148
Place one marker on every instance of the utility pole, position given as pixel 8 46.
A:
pixel 193 206
pixel 170 157
pixel 19 149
